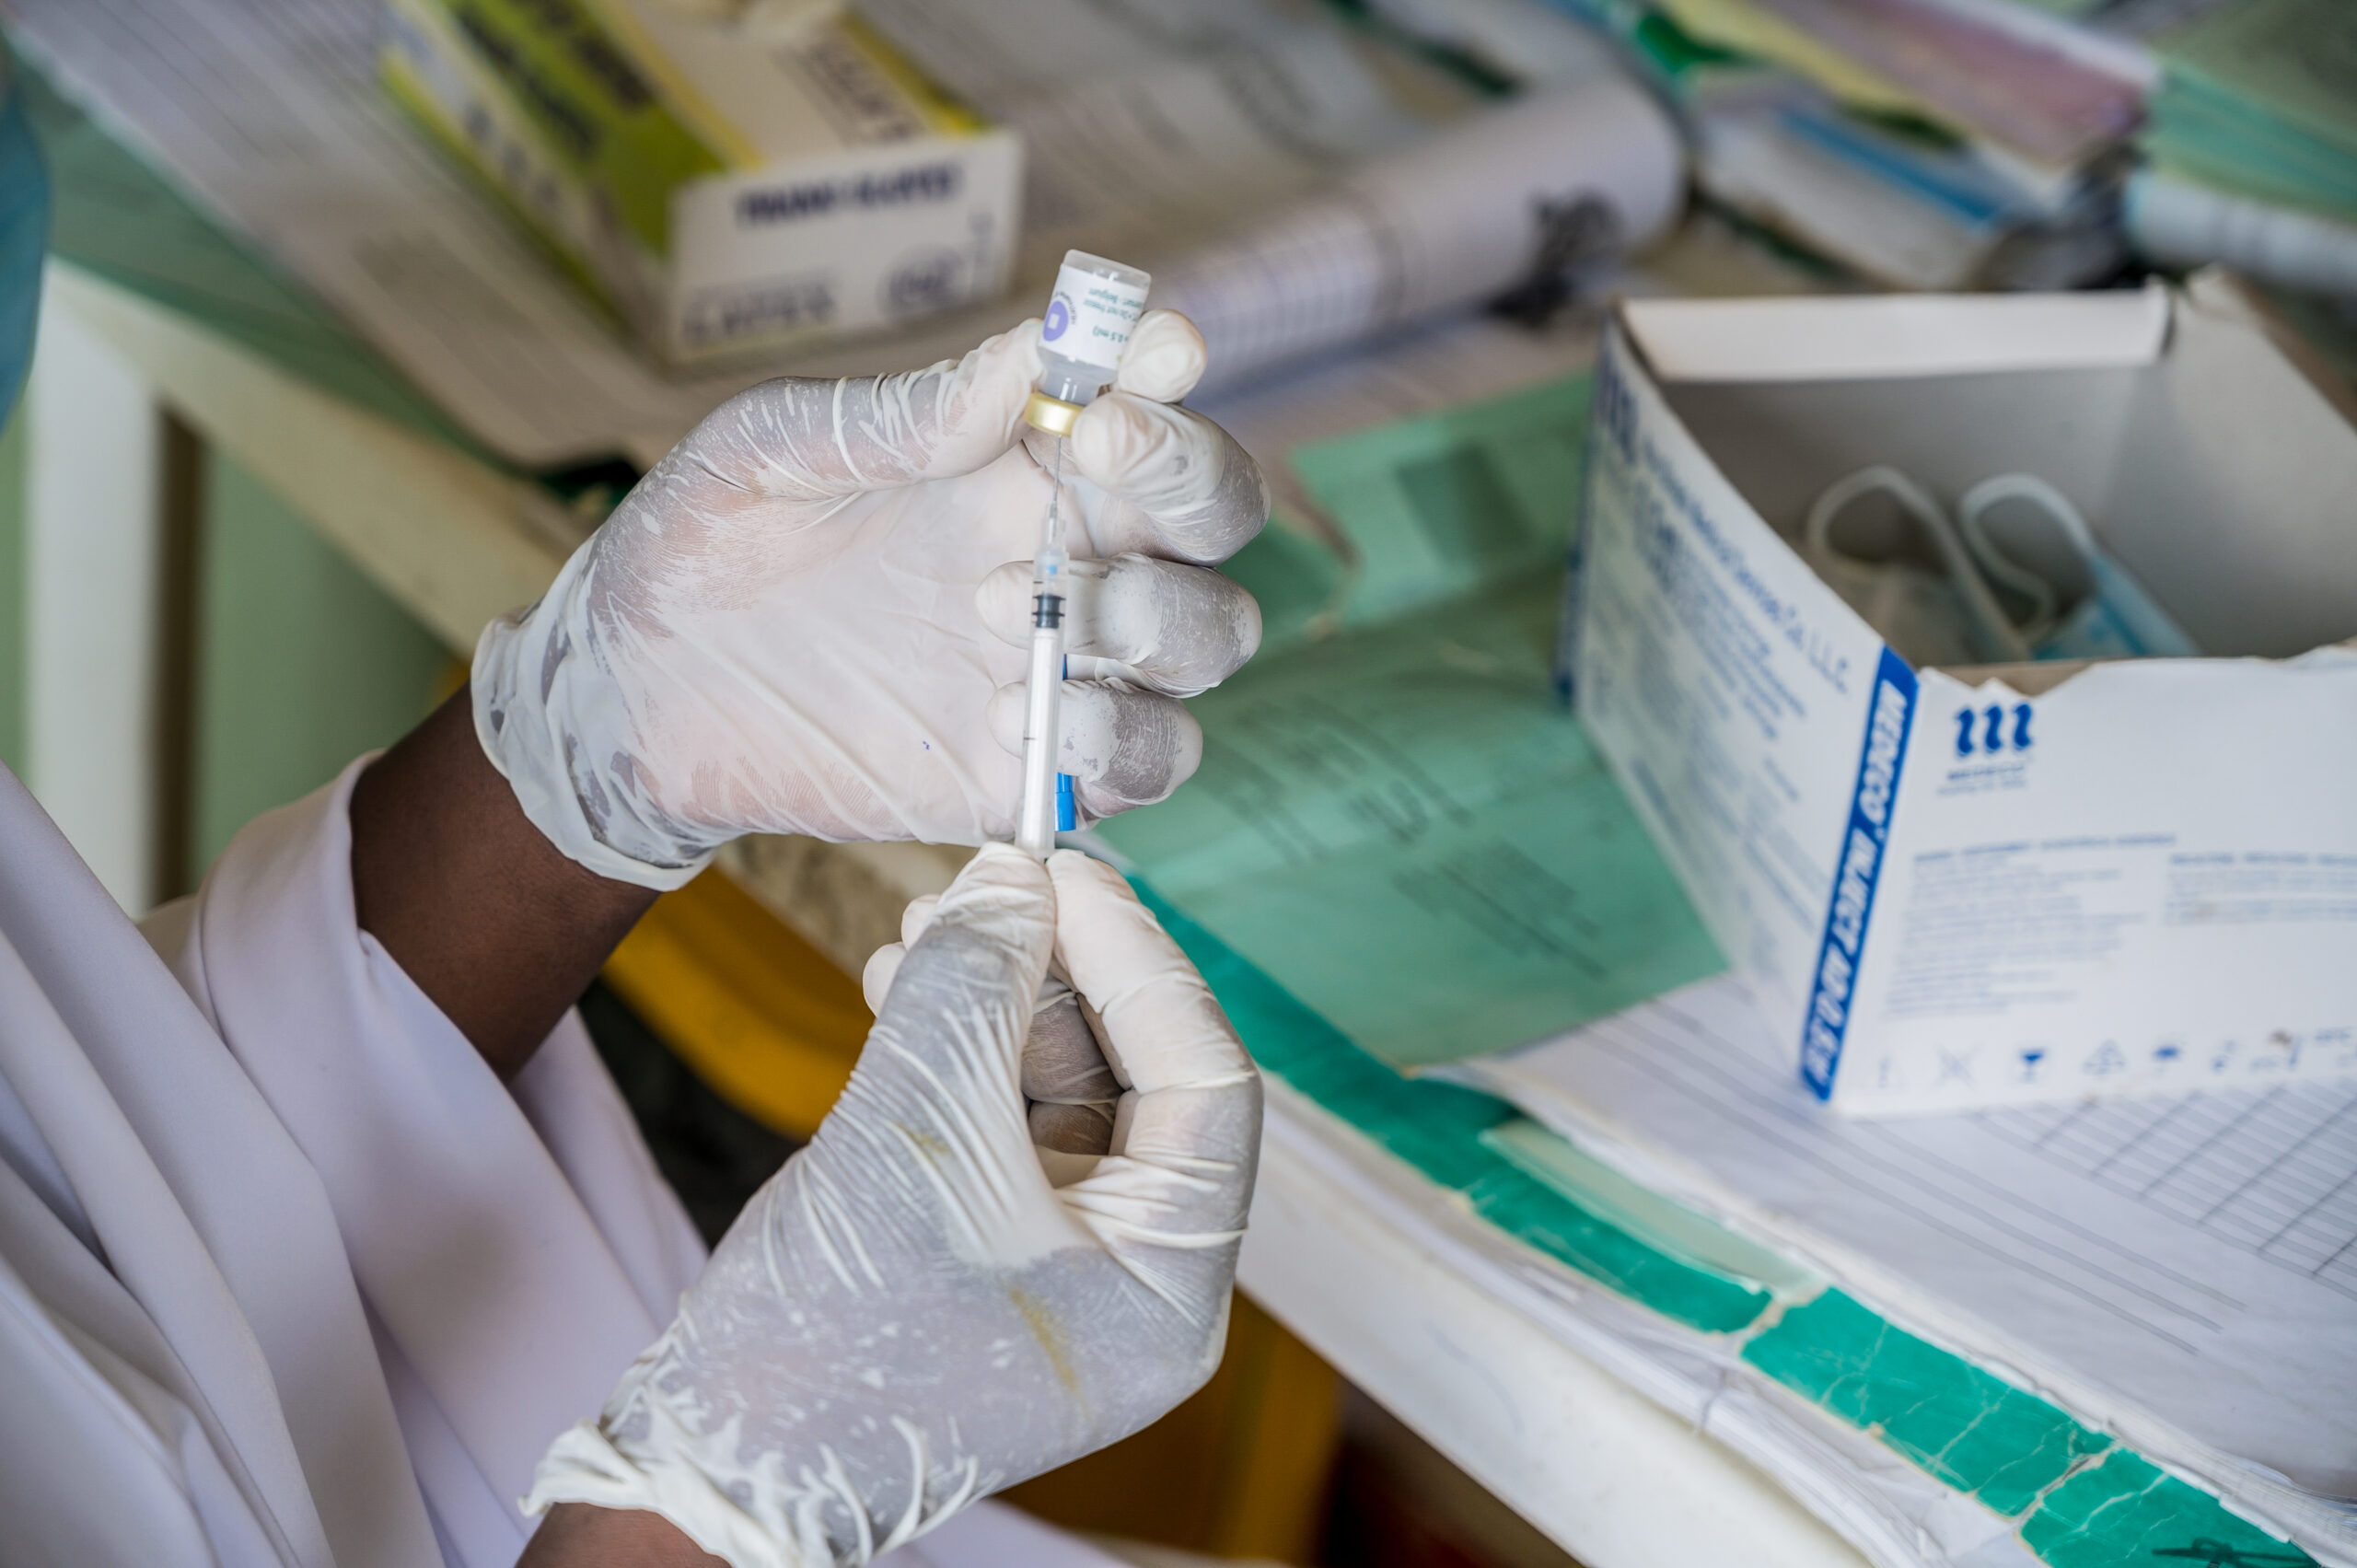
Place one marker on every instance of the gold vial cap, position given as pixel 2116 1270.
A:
pixel 1052 414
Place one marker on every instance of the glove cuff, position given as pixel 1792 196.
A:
pixel 556 725
pixel 584 1466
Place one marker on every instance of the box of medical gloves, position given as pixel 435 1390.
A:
pixel 1981 666
pixel 726 179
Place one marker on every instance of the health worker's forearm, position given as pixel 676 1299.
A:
pixel 501 931
pixel 575 1535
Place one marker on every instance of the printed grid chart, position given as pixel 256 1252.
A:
pixel 2274 1173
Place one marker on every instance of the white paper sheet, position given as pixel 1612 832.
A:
pixel 270 110
pixel 1149 130
pixel 2183 1270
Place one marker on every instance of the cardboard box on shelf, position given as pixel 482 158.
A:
pixel 1968 887
pixel 724 183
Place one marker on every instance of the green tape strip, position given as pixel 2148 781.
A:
pixel 1535 1214
pixel 1438 1127
pixel 2077 1498
pixel 2129 1510
pixel 1973 1431
pixel 1672 1228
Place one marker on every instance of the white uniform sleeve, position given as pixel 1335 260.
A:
pixel 185 1364
pixel 515 1251
pixel 190 1380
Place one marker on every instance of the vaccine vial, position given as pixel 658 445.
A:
pixel 1095 308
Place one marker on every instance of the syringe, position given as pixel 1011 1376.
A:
pixel 1096 304
pixel 1047 806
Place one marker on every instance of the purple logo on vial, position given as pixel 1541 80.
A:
pixel 1059 319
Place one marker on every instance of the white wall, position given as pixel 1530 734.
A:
pixel 93 463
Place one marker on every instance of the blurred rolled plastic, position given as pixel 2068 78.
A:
pixel 1559 177
pixel 2178 223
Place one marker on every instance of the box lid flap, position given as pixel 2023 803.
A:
pixel 1845 338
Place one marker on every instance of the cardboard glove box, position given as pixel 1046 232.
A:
pixel 1951 888
pixel 724 184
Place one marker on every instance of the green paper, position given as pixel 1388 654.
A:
pixel 1538 1217
pixel 2128 1510
pixel 2293 62
pixel 1297 580
pixel 1445 502
pixel 1437 1129
pixel 1400 823
pixel 1969 1429
pixel 1407 831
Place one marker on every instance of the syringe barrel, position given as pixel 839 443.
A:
pixel 1094 308
pixel 1035 823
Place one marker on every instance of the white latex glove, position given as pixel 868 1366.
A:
pixel 797 623
pixel 908 1317
pixel 1071 1093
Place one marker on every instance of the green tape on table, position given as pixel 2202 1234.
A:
pixel 1975 1432
pixel 2129 1510
pixel 2077 1499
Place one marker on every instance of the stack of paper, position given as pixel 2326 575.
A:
pixel 2050 100
pixel 2261 98
pixel 1921 144
pixel 1899 207
pixel 1944 145
pixel 2253 145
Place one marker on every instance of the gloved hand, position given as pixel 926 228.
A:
pixel 811 616
pixel 908 1315
pixel 1071 1093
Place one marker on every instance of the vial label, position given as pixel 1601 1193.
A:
pixel 1090 318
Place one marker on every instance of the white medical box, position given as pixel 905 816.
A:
pixel 1952 888
pixel 724 178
